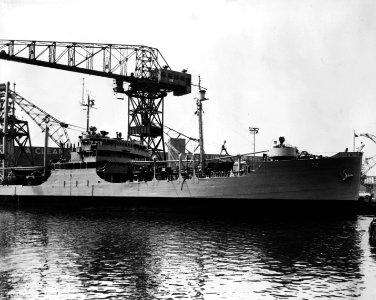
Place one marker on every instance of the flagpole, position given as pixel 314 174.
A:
pixel 354 142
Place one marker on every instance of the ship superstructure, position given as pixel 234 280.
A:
pixel 113 158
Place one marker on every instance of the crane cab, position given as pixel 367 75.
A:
pixel 178 82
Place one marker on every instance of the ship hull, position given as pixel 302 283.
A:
pixel 303 182
pixel 209 206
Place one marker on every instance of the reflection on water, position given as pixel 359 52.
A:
pixel 92 255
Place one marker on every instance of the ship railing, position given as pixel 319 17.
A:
pixel 220 174
pixel 189 168
pixel 73 165
pixel 162 169
pixel 186 169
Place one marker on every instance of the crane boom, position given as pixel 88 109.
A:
pixel 57 131
pixel 372 137
pixel 139 65
pixel 189 140
pixel 149 76
pixel 370 162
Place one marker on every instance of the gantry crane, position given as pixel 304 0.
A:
pixel 149 76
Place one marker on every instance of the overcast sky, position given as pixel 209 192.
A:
pixel 305 70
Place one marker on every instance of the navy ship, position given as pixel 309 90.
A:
pixel 103 169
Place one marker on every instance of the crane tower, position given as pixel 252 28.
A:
pixel 143 68
pixel 13 132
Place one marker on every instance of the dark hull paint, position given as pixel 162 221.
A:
pixel 223 207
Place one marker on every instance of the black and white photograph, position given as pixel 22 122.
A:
pixel 214 149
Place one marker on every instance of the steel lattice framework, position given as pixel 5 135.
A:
pixel 106 60
pixel 14 130
pixel 22 138
pixel 190 141
pixel 57 129
pixel 149 76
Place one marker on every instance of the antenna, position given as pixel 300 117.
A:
pixel 83 91
pixel 89 104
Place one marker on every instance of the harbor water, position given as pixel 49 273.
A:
pixel 102 254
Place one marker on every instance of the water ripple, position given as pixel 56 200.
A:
pixel 46 255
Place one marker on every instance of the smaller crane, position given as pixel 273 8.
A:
pixel 372 137
pixel 369 162
pixel 188 140
pixel 57 129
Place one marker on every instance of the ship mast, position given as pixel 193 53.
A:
pixel 89 104
pixel 199 101
pixel 253 131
